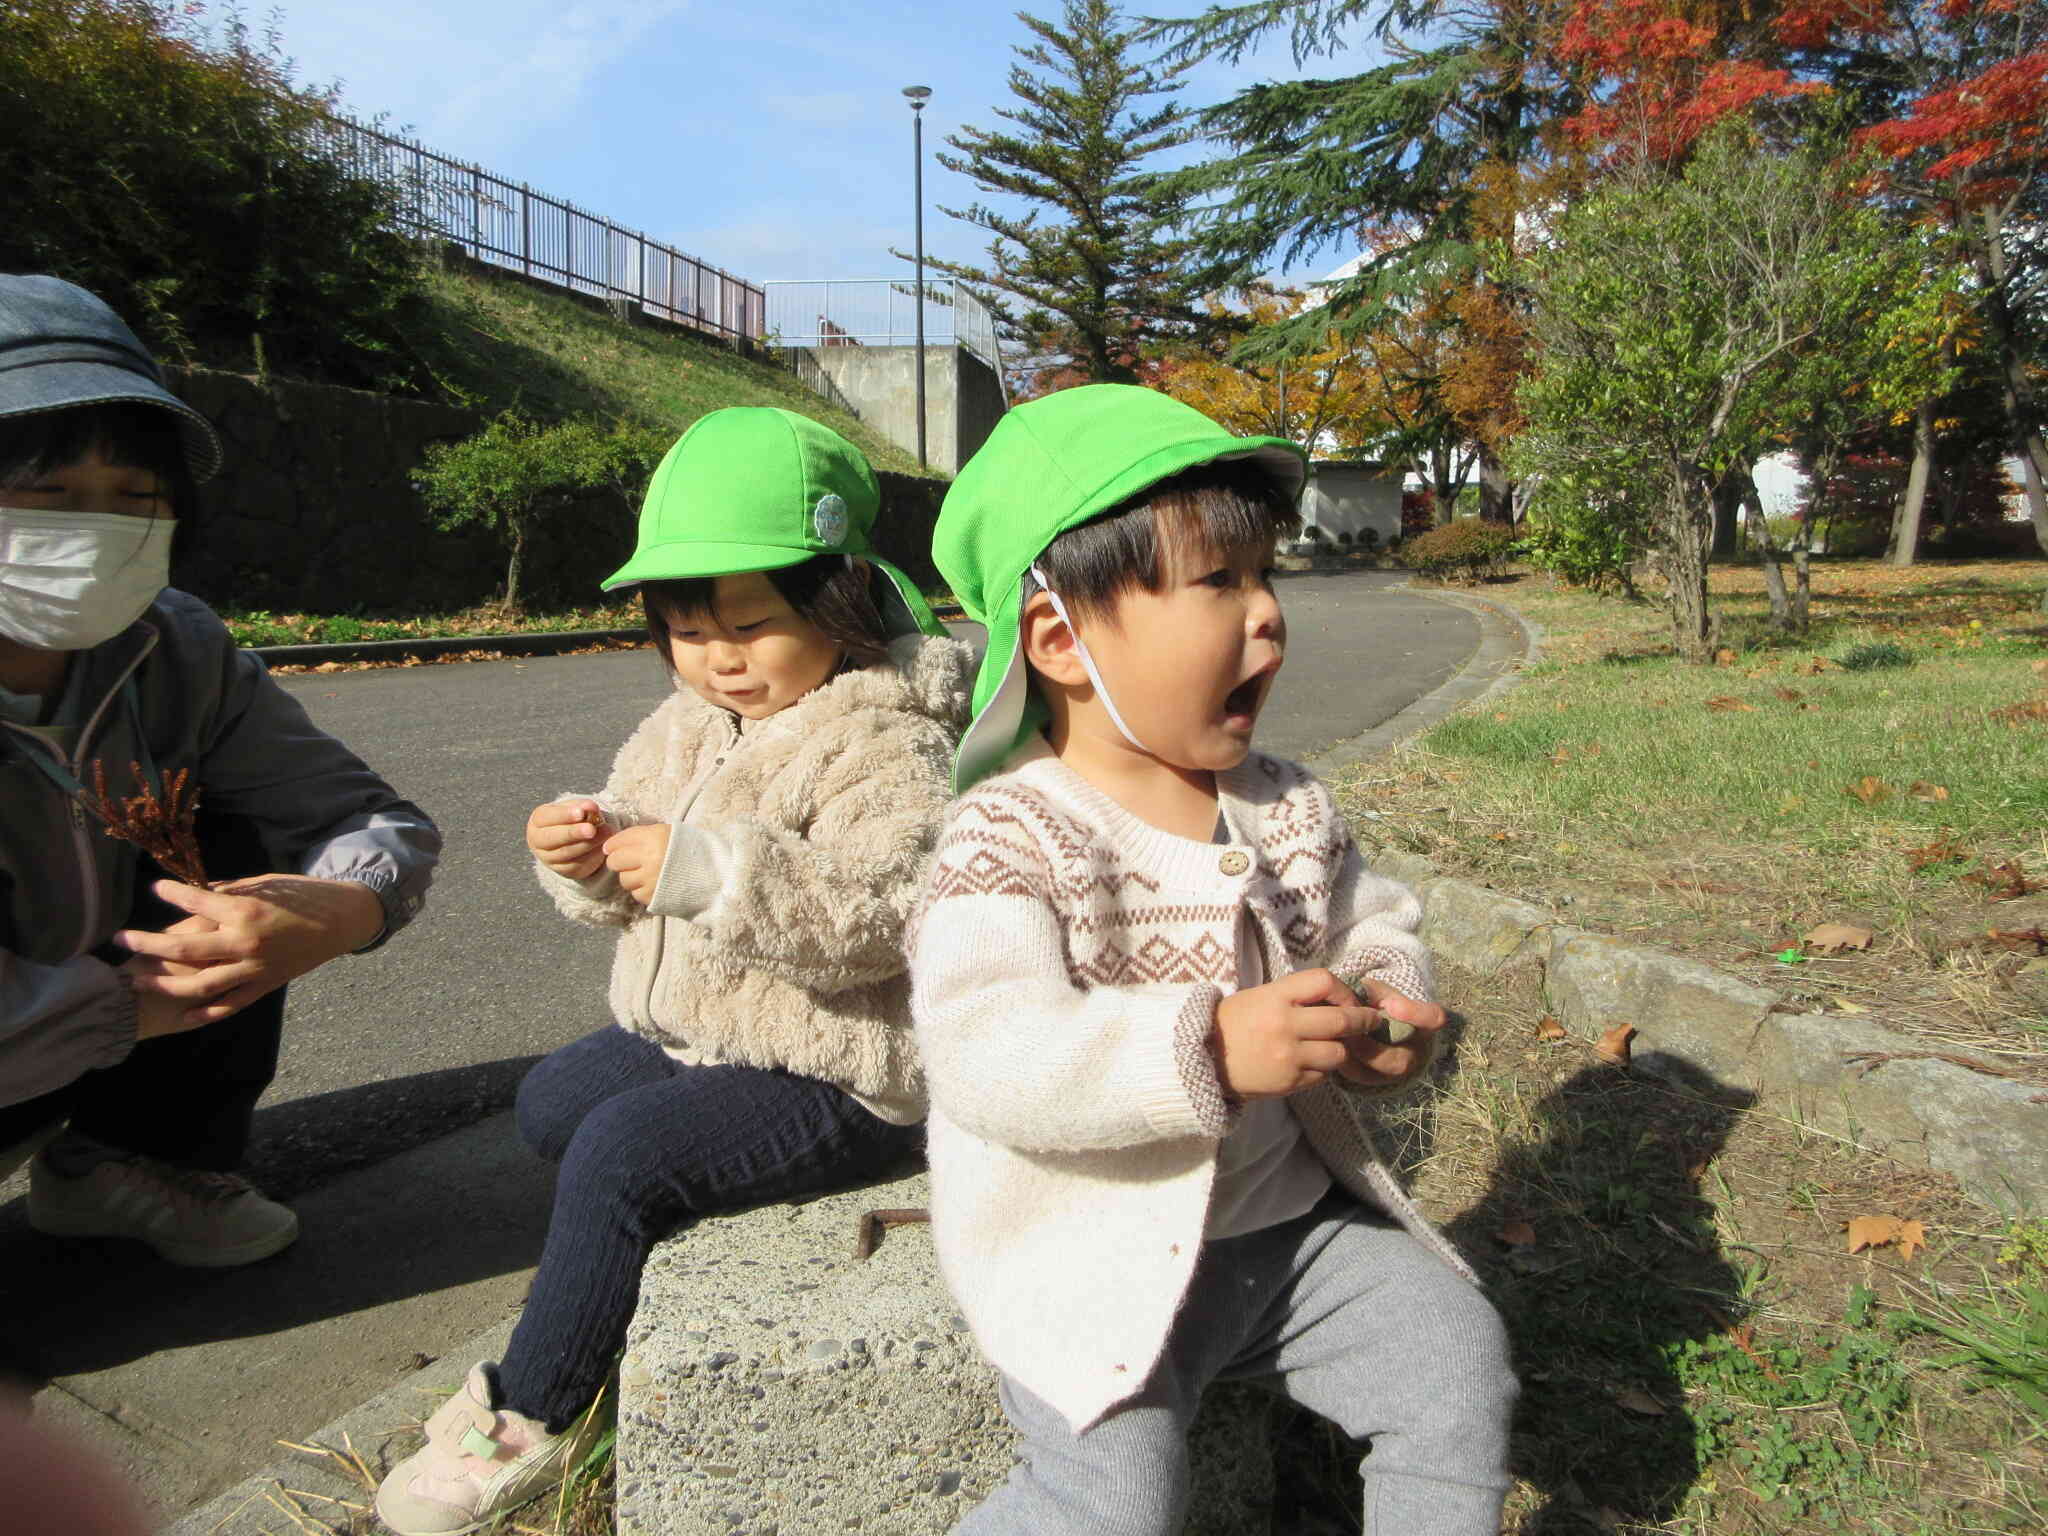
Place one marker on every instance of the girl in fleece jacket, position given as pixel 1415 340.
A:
pixel 758 846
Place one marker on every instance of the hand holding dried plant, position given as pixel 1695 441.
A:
pixel 164 829
pixel 250 937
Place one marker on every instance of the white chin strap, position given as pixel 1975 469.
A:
pixel 1088 662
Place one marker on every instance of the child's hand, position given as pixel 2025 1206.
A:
pixel 635 856
pixel 1287 1035
pixel 1375 1063
pixel 568 837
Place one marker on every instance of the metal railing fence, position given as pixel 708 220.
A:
pixel 508 224
pixel 880 312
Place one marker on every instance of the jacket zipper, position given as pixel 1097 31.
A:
pixel 661 923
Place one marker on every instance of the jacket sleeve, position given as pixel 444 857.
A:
pixel 318 807
pixel 58 1022
pixel 826 909
pixel 1014 1051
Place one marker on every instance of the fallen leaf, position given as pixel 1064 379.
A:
pixel 1547 1028
pixel 1843 1005
pixel 1561 755
pixel 1590 749
pixel 2021 939
pixel 1818 665
pixel 1882 1231
pixel 1727 704
pixel 2004 882
pixel 1613 1045
pixel 1518 1234
pixel 1870 789
pixel 1636 1400
pixel 1724 657
pixel 328 666
pixel 1941 851
pixel 2020 713
pixel 1790 695
pixel 1832 936
pixel 1933 794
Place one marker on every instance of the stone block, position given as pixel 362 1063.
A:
pixel 772 1382
pixel 1478 929
pixel 1396 864
pixel 1676 1005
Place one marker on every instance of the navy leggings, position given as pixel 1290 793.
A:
pixel 646 1147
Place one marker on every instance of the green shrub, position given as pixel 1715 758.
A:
pixel 1586 538
pixel 516 474
pixel 182 181
pixel 1466 547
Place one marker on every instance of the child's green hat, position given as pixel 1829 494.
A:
pixel 753 488
pixel 1051 465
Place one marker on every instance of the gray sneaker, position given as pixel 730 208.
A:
pixel 199 1219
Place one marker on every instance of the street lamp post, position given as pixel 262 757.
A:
pixel 918 96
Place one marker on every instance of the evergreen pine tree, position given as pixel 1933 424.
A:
pixel 1091 280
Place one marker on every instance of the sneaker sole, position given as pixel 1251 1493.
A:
pixel 498 1511
pixel 185 1255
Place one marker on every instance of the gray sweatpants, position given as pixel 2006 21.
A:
pixel 1344 1313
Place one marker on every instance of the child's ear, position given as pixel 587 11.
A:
pixel 1049 644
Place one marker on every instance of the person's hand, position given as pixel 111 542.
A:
pixel 156 1014
pixel 1287 1035
pixel 1373 1061
pixel 248 938
pixel 635 856
pixel 568 836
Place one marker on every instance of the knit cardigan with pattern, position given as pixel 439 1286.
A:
pixel 1066 963
pixel 775 934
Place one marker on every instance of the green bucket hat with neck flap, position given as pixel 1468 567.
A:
pixel 1050 465
pixel 754 488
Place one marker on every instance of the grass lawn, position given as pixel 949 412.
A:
pixel 495 344
pixel 1726 811
pixel 259 626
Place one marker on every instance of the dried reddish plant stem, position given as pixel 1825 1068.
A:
pixel 164 829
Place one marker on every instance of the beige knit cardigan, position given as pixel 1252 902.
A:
pixel 1066 963
pixel 775 935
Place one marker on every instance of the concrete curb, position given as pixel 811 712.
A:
pixel 1507 643
pixel 1989 1133
pixel 300 1493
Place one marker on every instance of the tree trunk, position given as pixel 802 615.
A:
pixel 1905 545
pixel 1688 534
pixel 1496 495
pixel 1766 550
pixel 512 566
pixel 2033 472
pixel 1727 500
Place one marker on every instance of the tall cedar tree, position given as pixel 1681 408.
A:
pixel 1092 278
pixel 1461 106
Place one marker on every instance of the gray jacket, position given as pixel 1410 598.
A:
pixel 173 691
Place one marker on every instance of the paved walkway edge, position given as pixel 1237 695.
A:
pixel 304 1492
pixel 1507 643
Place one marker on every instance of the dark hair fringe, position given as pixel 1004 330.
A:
pixel 1219 505
pixel 824 590
pixel 133 433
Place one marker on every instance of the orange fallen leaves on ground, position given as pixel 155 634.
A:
pixel 1612 1046
pixel 2004 882
pixel 1549 1030
pixel 2021 939
pixel 1883 1231
pixel 1728 704
pixel 1833 936
pixel 1870 789
pixel 1790 695
pixel 1933 794
pixel 2027 711
pixel 1943 850
pixel 1725 657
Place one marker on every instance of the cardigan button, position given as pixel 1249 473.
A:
pixel 1235 862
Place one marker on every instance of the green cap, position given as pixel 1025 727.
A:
pixel 754 488
pixel 1050 465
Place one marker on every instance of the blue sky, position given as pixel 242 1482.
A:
pixel 773 142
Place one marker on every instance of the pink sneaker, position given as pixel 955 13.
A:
pixel 477 1463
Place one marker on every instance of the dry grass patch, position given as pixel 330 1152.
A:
pixel 1700 1351
pixel 1885 771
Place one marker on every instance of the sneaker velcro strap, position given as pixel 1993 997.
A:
pixel 479 1444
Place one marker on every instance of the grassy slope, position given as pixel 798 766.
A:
pixel 497 344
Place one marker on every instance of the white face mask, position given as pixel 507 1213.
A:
pixel 71 580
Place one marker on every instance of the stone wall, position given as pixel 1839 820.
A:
pixel 314 510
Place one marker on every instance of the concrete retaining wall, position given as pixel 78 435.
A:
pixel 963 396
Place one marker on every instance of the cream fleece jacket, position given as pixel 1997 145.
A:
pixel 774 938
pixel 1066 963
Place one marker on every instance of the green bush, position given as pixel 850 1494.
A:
pixel 1468 547
pixel 1870 658
pixel 517 474
pixel 1587 538
pixel 182 181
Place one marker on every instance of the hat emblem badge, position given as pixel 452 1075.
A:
pixel 828 519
